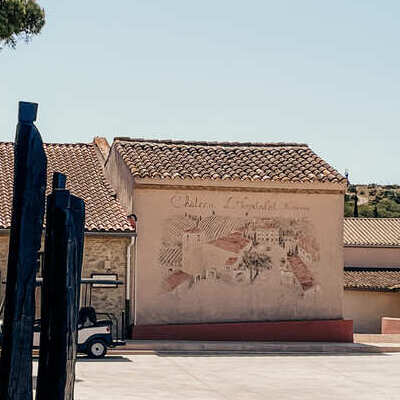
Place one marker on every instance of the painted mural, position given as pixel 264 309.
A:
pixel 243 250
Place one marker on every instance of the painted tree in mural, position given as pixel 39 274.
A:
pixel 255 263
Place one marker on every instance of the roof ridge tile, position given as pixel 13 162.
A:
pixel 208 143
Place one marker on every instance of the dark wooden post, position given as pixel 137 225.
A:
pixel 30 165
pixel 60 293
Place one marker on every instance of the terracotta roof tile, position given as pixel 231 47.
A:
pixel 85 179
pixel 280 162
pixel 370 232
pixel 372 278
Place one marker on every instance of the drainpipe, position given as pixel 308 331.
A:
pixel 135 281
pixel 129 266
pixel 131 245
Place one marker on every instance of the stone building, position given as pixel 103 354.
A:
pixel 109 237
pixel 231 232
pixel 372 271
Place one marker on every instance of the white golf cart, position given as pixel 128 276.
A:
pixel 94 336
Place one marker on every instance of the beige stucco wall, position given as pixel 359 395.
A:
pixel 209 292
pixel 118 174
pixel 102 254
pixel 366 308
pixel 372 256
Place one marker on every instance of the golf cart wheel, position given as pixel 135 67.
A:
pixel 97 349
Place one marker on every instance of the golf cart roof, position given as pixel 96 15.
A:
pixel 89 281
pixel 86 281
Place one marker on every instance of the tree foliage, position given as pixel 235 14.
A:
pixel 19 19
pixel 384 208
pixel 378 201
pixel 254 262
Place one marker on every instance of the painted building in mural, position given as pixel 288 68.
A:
pixel 231 231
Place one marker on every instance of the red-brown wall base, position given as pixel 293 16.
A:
pixel 390 325
pixel 283 331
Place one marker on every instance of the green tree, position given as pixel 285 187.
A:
pixel 383 202
pixel 388 208
pixel 352 189
pixel 19 19
pixel 366 211
pixel 348 208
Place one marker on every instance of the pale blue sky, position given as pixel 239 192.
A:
pixel 326 73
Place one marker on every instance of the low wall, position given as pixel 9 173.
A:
pixel 390 325
pixel 366 308
pixel 372 256
pixel 283 331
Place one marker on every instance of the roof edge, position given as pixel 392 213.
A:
pixel 111 233
pixel 208 143
pixel 6 231
pixel 375 246
pixel 371 219
pixel 371 289
pixel 352 268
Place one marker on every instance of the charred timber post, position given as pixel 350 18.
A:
pixel 60 293
pixel 30 165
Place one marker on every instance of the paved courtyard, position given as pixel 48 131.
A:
pixel 239 377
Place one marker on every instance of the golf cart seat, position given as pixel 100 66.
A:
pixel 87 315
pixel 87 318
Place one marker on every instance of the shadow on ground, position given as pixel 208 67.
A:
pixel 106 359
pixel 277 354
pixel 34 381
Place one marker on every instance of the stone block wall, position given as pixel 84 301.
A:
pixel 102 255
pixel 106 255
pixel 3 262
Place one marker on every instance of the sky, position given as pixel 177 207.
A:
pixel 325 73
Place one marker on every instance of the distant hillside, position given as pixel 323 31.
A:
pixel 373 201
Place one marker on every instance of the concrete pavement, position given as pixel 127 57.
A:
pixel 133 346
pixel 239 377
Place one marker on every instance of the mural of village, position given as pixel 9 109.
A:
pixel 198 250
